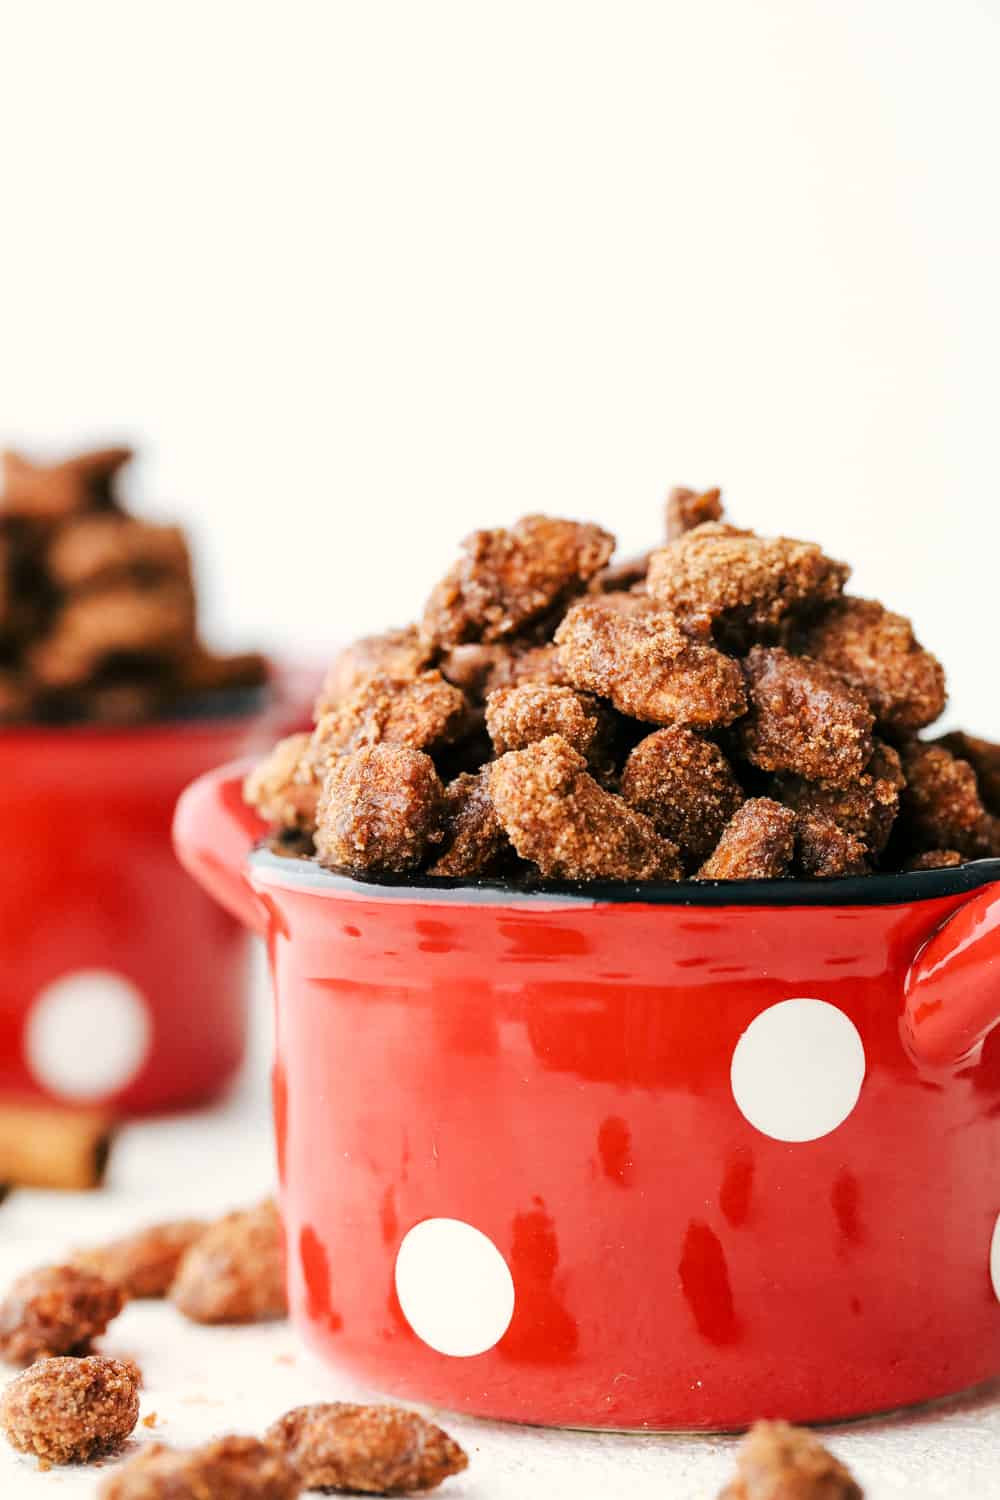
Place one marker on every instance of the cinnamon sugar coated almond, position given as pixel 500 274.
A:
pixel 367 1450
pixel 234 1272
pixel 779 1462
pixel 70 1410
pixel 715 708
pixel 55 1310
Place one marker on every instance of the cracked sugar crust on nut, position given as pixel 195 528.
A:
pixel 685 786
pixel 626 649
pixel 70 1410
pixel 381 809
pixel 558 817
pixel 716 575
pixel 877 652
pixel 804 719
pixel 378 1450
pixel 758 843
pixel 505 579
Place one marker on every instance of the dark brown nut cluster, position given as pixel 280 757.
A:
pixel 758 843
pixel 877 653
pixel 558 817
pixel 685 786
pixel 143 1264
pixel 231 1468
pixel 67 1411
pixel 804 719
pixel 518 716
pixel 866 808
pixel 55 1310
pixel 984 759
pixel 234 1271
pixel 480 670
pixel 506 580
pixel 473 842
pixel 366 1450
pixel 714 709
pixel 97 609
pixel 780 1462
pixel 381 809
pixel 944 805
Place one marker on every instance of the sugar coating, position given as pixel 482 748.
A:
pixel 716 574
pixel 804 719
pixel 877 652
pixel 66 1411
pixel 758 843
pixel 377 1450
pixel 685 786
pixel 556 815
pixel 381 809
pixel 55 1310
pixel 505 579
pixel 627 650
pixel 234 1272
pixel 230 1468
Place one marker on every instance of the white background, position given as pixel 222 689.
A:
pixel 360 275
pixel 363 274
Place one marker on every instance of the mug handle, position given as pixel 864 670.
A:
pixel 214 831
pixel 953 986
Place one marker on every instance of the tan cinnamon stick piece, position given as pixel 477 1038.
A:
pixel 45 1146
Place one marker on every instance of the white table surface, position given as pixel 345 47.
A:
pixel 201 1382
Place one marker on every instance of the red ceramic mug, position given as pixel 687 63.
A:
pixel 122 984
pixel 633 1157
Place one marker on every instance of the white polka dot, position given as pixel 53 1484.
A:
pixel 454 1287
pixel 88 1034
pixel 995 1259
pixel 797 1070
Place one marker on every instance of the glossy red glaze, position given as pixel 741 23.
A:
pixel 90 883
pixel 556 1073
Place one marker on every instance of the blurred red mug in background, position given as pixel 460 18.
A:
pixel 123 985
